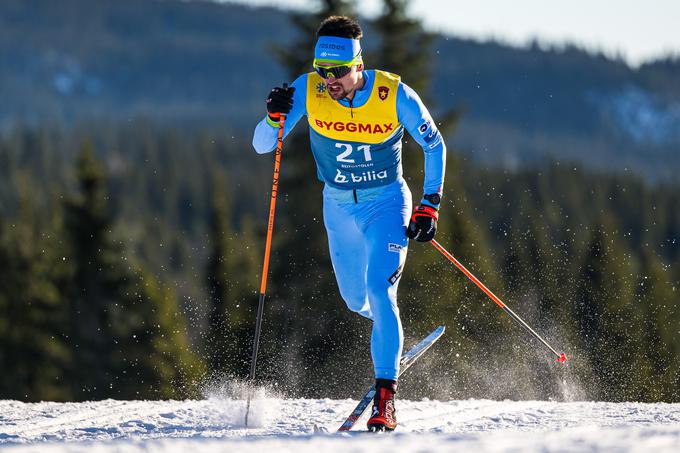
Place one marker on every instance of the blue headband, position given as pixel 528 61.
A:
pixel 332 49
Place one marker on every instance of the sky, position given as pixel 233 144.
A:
pixel 636 30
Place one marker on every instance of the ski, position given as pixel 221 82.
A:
pixel 406 361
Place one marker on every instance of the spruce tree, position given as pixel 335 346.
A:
pixel 432 291
pixel 659 301
pixel 608 317
pixel 231 274
pixel 308 318
pixel 435 291
pixel 125 330
pixel 532 278
pixel 33 350
pixel 404 47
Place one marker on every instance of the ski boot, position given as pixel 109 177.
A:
pixel 383 415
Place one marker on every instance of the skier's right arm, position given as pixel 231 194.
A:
pixel 266 131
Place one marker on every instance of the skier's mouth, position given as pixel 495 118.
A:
pixel 334 89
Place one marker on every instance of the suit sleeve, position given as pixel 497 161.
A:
pixel 266 131
pixel 416 119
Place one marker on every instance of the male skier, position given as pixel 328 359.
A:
pixel 356 123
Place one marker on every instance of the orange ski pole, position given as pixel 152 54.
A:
pixel 267 247
pixel 561 357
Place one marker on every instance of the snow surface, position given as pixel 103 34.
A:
pixel 217 424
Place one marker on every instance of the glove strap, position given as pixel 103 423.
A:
pixel 273 119
pixel 425 211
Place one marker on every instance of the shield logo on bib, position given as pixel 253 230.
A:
pixel 383 91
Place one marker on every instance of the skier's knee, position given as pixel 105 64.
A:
pixel 363 310
pixel 357 303
pixel 383 306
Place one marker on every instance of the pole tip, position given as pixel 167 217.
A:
pixel 562 358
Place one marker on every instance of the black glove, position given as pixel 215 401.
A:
pixel 279 102
pixel 423 224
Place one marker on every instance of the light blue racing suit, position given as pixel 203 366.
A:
pixel 366 218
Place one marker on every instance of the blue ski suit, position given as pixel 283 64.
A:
pixel 367 204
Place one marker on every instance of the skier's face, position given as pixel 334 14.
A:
pixel 345 86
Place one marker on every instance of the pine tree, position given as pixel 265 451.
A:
pixel 608 317
pixel 532 277
pixel 404 46
pixel 231 280
pixel 33 350
pixel 125 331
pixel 660 303
pixel 311 320
pixel 404 49
pixel 433 291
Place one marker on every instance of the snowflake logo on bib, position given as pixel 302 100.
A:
pixel 320 87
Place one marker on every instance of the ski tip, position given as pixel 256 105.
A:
pixel 562 358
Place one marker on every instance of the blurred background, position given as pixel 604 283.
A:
pixel 133 208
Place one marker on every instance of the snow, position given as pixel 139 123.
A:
pixel 282 425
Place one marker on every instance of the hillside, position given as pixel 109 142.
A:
pixel 200 63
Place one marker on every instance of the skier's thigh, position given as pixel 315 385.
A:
pixel 348 255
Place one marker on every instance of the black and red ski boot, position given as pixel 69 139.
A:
pixel 383 415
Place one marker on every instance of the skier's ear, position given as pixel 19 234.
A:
pixel 360 67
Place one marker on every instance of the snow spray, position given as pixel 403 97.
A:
pixel 233 395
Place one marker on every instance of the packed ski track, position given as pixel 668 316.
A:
pixel 217 424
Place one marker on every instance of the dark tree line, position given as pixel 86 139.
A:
pixel 121 290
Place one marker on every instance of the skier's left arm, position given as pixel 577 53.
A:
pixel 416 119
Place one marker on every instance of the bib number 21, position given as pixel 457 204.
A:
pixel 348 149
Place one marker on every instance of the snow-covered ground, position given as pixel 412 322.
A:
pixel 281 425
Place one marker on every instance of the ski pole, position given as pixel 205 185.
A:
pixel 561 357
pixel 267 247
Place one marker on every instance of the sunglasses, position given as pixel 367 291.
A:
pixel 337 71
